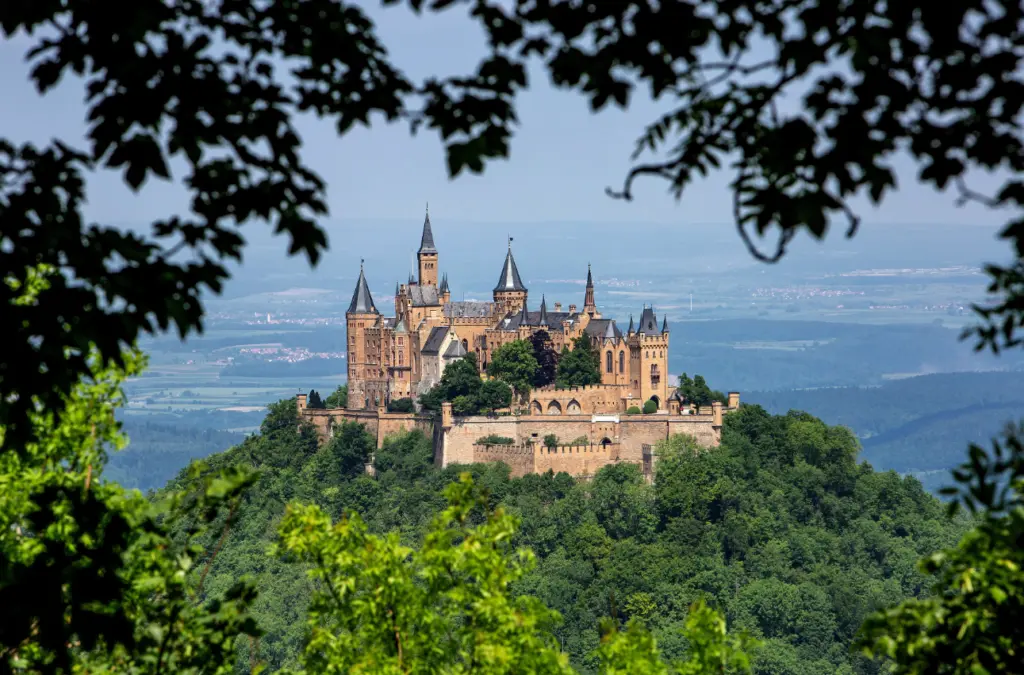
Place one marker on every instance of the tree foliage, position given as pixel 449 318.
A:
pixel 338 398
pixel 579 366
pixel 514 364
pixel 402 405
pixel 90 580
pixel 469 395
pixel 314 401
pixel 697 391
pixel 974 620
pixel 547 359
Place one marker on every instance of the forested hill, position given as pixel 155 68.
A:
pixel 918 424
pixel 779 527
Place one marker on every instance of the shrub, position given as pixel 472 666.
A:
pixel 650 407
pixel 494 439
pixel 551 441
pixel 633 410
pixel 580 440
pixel 401 405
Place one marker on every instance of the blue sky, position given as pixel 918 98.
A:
pixel 562 157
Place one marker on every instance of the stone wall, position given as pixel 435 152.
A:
pixel 587 399
pixel 378 423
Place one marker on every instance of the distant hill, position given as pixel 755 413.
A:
pixel 751 354
pixel 919 425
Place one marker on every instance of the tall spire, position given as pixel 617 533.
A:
pixel 664 324
pixel 589 306
pixel 631 327
pixel 427 240
pixel 543 321
pixel 509 279
pixel 444 284
pixel 524 315
pixel 362 301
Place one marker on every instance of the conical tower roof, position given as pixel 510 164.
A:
pixel 444 284
pixel 664 324
pixel 427 240
pixel 524 316
pixel 362 301
pixel 590 278
pixel 631 327
pixel 543 312
pixel 509 279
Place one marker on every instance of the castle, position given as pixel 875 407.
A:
pixel 391 358
pixel 405 355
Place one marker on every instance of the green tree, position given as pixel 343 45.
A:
pixel 547 359
pixel 650 407
pixel 460 379
pixel 313 400
pixel 514 364
pixel 338 398
pixel 493 395
pixel 579 366
pixel 551 441
pixel 697 391
pixel 61 524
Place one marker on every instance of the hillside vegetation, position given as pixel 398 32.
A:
pixel 780 528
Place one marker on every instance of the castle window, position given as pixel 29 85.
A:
pixel 647 355
pixel 622 362
pixel 608 362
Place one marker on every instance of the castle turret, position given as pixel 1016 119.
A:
pixel 509 293
pixel 361 314
pixel 427 254
pixel 445 292
pixel 651 345
pixel 589 306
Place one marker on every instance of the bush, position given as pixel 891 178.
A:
pixel 580 440
pixel 551 441
pixel 401 405
pixel 650 407
pixel 494 439
pixel 633 410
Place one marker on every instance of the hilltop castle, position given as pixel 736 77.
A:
pixel 403 356
pixel 390 358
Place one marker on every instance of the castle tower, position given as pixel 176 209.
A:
pixel 427 255
pixel 361 314
pixel 589 306
pixel 652 355
pixel 510 293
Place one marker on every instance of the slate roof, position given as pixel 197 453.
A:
pixel 514 321
pixel 435 340
pixel 362 301
pixel 444 284
pixel 427 240
pixel 509 279
pixel 400 327
pixel 631 326
pixel 424 296
pixel 648 322
pixel 664 324
pixel 542 320
pixel 612 332
pixel 455 350
pixel 468 309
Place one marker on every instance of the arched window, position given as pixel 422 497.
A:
pixel 465 345
pixel 608 362
pixel 622 362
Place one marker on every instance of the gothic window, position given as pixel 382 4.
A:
pixel 608 362
pixel 622 362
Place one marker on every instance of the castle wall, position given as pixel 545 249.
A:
pixel 586 399
pixel 520 458
pixel 583 460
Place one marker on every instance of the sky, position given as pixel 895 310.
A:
pixel 562 157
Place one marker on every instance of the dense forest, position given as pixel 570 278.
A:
pixel 780 528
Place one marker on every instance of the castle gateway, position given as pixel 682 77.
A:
pixel 403 356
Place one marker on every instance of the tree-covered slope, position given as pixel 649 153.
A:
pixel 779 527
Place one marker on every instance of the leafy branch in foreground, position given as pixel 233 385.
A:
pixel 89 578
pixel 381 607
